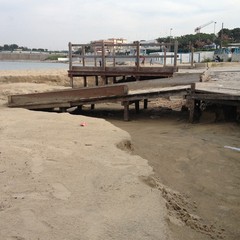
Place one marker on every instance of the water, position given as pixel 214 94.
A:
pixel 25 65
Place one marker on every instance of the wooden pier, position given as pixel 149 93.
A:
pixel 119 60
pixel 123 61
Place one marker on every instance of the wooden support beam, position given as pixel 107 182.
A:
pixel 96 80
pixel 137 106
pixel 175 53
pixel 85 81
pixel 126 111
pixel 194 110
pixel 145 103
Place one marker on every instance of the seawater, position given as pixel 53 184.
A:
pixel 27 65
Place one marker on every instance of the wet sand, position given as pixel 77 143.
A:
pixel 191 159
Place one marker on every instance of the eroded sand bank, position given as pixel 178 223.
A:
pixel 59 180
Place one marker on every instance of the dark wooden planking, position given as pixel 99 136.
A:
pixel 67 95
pixel 213 96
pixel 122 71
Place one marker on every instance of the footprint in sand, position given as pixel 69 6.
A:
pixel 60 191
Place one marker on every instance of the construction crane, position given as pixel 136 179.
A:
pixel 197 30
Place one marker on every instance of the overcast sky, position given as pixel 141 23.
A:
pixel 51 24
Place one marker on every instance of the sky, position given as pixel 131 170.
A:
pixel 51 24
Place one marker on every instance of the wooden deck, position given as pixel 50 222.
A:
pixel 103 60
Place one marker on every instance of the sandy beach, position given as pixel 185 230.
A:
pixel 155 177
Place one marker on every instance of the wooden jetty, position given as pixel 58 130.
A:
pixel 104 60
pixel 109 60
pixel 132 93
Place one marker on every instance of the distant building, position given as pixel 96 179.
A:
pixel 109 48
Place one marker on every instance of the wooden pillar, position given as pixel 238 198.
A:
pixel 191 104
pixel 92 106
pixel 95 58
pixel 85 81
pixel 70 61
pixel 103 56
pixel 175 53
pixel 114 59
pixel 83 55
pixel 106 80
pixel 114 79
pixel 126 111
pixel 137 106
pixel 165 57
pixel 96 80
pixel 192 56
pixel 194 106
pixel 145 103
pixel 138 55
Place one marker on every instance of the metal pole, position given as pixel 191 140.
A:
pixel 221 37
pixel 70 55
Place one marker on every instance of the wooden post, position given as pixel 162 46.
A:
pixel 126 111
pixel 70 55
pixel 194 107
pixel 145 102
pixel 96 80
pixel 175 53
pixel 83 55
pixel 114 59
pixel 114 79
pixel 137 106
pixel 103 56
pixel 92 106
pixel 192 56
pixel 85 81
pixel 138 55
pixel 95 59
pixel 70 61
pixel 165 57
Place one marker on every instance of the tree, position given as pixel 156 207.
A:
pixel 236 34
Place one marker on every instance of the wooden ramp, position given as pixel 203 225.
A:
pixel 66 98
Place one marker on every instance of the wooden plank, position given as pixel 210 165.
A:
pixel 223 87
pixel 67 95
pixel 213 96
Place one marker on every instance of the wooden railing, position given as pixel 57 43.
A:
pixel 104 54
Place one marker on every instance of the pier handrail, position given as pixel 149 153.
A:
pixel 108 50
